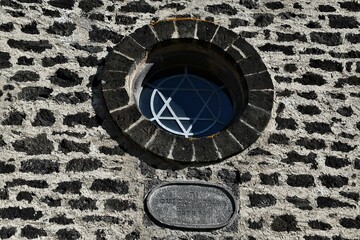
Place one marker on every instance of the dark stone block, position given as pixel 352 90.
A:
pixel 285 93
pixel 7 232
pixel 353 37
pixel 274 5
pixel 326 8
pixel 106 219
pixel 23 61
pixel 206 30
pixel 337 21
pixel 300 203
pixel 147 170
pixel 162 143
pixel 126 117
pixel 333 181
pixel 72 97
pixel 88 5
pixel 51 202
pixel 236 22
pixel 12 213
pixel 135 235
pixel 31 232
pixel 35 46
pixel 65 78
pixel 201 174
pixel 227 146
pixel 7 27
pixel 315 237
pixel 118 62
pixel 351 195
pixel 281 79
pixel 284 223
pixel 262 99
pixel 313 24
pixel 164 29
pixel 301 180
pixel 351 6
pixel 221 9
pixel 327 202
pixel 342 147
pixel 259 81
pixel 110 185
pixel 345 111
pixel 112 80
pixel 263 20
pixel 145 37
pixel 276 138
pixel 326 65
pixel 119 205
pixel 326 38
pixel 87 48
pixel 177 6
pixel 51 61
pixel 349 54
pixel 224 37
pixel 290 67
pixel 138 6
pixel 68 233
pixel 255 117
pixel 205 150
pixel 83 203
pixel 255 224
pixel 311 79
pixel 103 35
pixel 308 95
pixel 69 187
pixel 268 47
pixel 65 4
pixel 14 118
pixel 61 219
pixel 6 168
pixel 250 4
pixel 311 144
pixel 4 60
pixel 312 51
pixel 317 127
pixel 38 166
pixel 269 179
pixel 142 132
pixel 186 28
pixel 44 118
pixel 335 162
pixel 352 81
pixel 235 54
pixel 261 200
pixel 4 194
pixel 293 157
pixel 350 223
pixel 234 177
pixel 33 146
pixel 30 28
pixel 287 37
pixel 247 49
pixel 125 20
pixel 51 13
pixel 183 149
pixel 244 134
pixel 30 183
pixel 116 98
pixel 83 165
pixel 131 48
pixel 82 118
pixel 308 109
pixel 25 76
pixel 111 151
pixel 315 224
pixel 90 61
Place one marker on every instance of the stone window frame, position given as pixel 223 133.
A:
pixel 128 56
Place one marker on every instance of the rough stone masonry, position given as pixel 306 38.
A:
pixel 63 176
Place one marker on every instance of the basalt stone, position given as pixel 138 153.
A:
pixel 67 146
pixel 316 224
pixel 312 24
pixel 44 117
pixel 255 224
pixel 308 95
pixel 308 109
pixel 33 146
pixel 236 22
pixel 243 133
pixel 183 149
pixel 52 61
pixel 83 203
pixel 87 48
pixel 6 168
pixel 12 213
pixel 31 232
pixel 68 233
pixel 72 187
pixel 30 28
pixel 7 27
pixel 326 38
pixel 353 37
pixel 263 20
pixel 24 61
pixel 290 67
pixel 352 81
pixel 274 5
pixel 349 54
pixel 83 165
pixel 317 127
pixel 30 183
pixel 269 179
pixel 327 202
pixel 345 111
pixel 34 46
pixel 340 96
pixel 38 166
pixel 301 180
pixel 233 177
pixel 116 98
pixel 147 170
pixel 342 147
pixel 164 29
pixel 65 78
pixel 351 195
pixel 103 35
pixel 330 181
pixel 119 205
pixel 4 194
pixel 226 145
pixel 135 235
pixel 98 16
pixel 31 1
pixel 25 76
pixel 24 196
pixel 162 143
pixel 65 4
pixel 285 93
pixel 110 185
pixel 111 150
pixel 251 65
pixel 286 123
pixel 4 60
pixel 142 132
pixel 118 62
pixel 311 143
pixel 206 30
pixel 337 21
pixel 15 118
pixel 284 223
pixel 281 79
pixel 205 150
pixel 351 6
pixel 51 13
pixel 61 219
pixel 221 9
pixel 201 174
pixel 90 61
pixel 286 37
pixel 177 6
pixel 51 202
pixel 125 20
pixel 315 237
pixel 261 200
pixel 72 97
pixel 326 8
pixel 278 139
pixel 262 99
pixel 311 79
pixel 300 203
pixel 88 5
pixel 350 223
pixel 138 6
pixel 293 157
pixel 129 47
pixel 312 51
pixel 7 232
pixel 126 117
pixel 81 119
pixel 326 65
pixel 145 37
pixel 268 47
pixel 106 219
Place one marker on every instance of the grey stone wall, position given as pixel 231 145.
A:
pixel 63 176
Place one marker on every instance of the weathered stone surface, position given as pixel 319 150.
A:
pixel 110 185
pixel 38 166
pixel 35 46
pixel 164 29
pixel 192 205
pixel 66 78
pixel 32 146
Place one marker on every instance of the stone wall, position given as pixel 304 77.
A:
pixel 63 176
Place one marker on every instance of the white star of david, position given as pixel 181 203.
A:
pixel 186 131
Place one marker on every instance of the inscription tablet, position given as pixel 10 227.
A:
pixel 192 205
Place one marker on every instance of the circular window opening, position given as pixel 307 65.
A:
pixel 190 88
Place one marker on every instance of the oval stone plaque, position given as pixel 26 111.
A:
pixel 192 205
